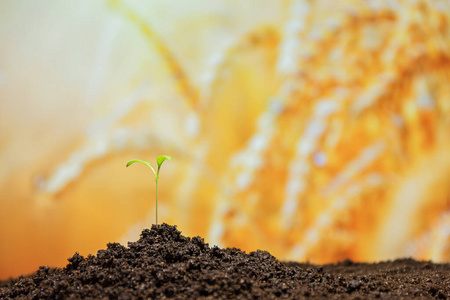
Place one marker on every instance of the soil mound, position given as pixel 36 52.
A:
pixel 165 264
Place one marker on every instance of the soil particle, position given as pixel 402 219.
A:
pixel 165 264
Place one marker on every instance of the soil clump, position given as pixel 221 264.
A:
pixel 165 264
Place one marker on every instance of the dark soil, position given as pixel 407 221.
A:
pixel 165 264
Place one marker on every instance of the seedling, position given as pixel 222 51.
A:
pixel 159 160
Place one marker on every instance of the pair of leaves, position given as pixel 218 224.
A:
pixel 159 160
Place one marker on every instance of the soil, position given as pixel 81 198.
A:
pixel 165 264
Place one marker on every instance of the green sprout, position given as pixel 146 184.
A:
pixel 159 160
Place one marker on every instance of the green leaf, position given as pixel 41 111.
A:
pixel 160 159
pixel 141 161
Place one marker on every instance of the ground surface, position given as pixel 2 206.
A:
pixel 165 264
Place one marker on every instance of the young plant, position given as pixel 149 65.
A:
pixel 159 160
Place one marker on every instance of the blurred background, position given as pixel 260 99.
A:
pixel 315 130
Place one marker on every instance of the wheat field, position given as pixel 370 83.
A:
pixel 315 131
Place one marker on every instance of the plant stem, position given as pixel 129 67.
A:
pixel 156 201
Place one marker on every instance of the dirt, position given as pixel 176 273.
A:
pixel 165 264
